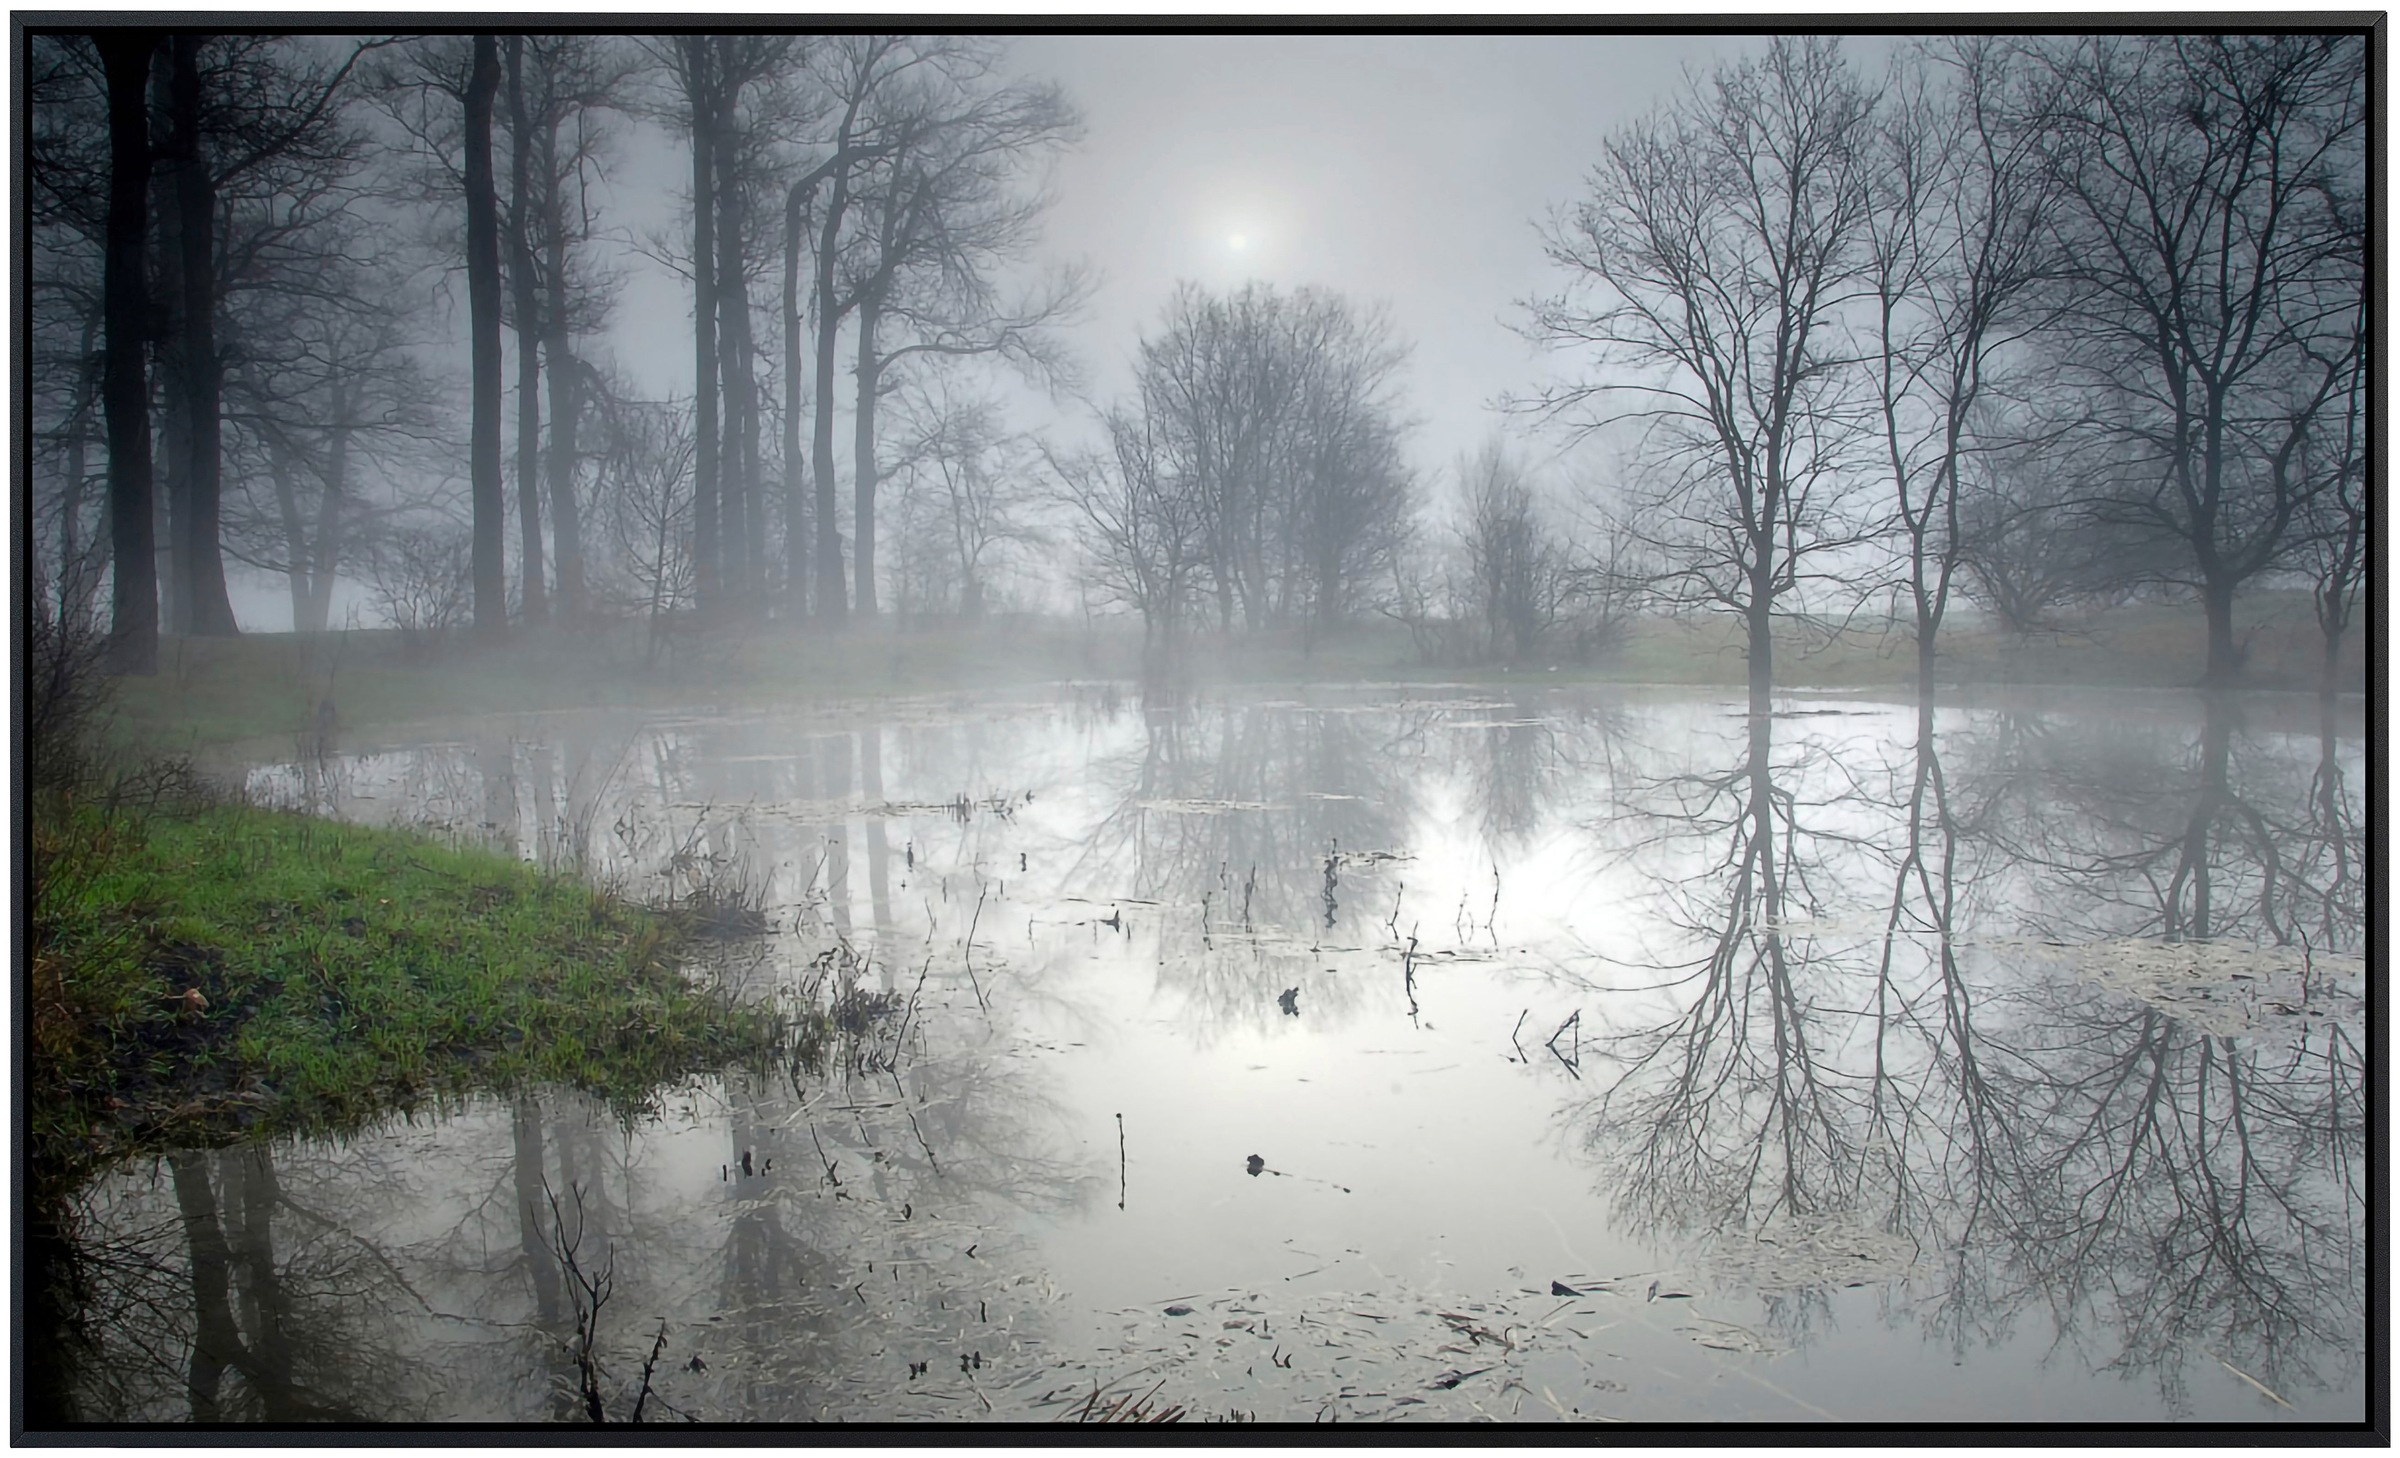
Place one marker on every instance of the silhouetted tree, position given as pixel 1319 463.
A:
pixel 2206 199
pixel 1710 265
pixel 133 631
pixel 483 307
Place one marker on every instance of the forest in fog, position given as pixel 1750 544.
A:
pixel 2021 325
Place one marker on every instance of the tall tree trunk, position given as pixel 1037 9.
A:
pixel 704 322
pixel 795 481
pixel 862 495
pixel 1759 616
pixel 566 402
pixel 329 515
pixel 174 610
pixel 2224 654
pixel 483 314
pixel 171 448
pixel 295 531
pixel 200 563
pixel 171 454
pixel 832 594
pixel 74 576
pixel 752 471
pixel 737 520
pixel 125 386
pixel 524 293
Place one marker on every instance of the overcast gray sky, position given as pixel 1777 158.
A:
pixel 1400 169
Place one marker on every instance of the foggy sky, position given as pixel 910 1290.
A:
pixel 1405 170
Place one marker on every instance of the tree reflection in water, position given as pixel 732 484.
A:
pixel 1823 1071
pixel 1222 822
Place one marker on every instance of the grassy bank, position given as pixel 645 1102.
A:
pixel 210 692
pixel 200 975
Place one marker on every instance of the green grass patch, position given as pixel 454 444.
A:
pixel 205 975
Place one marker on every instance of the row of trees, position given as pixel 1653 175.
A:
pixel 2039 320
pixel 244 247
pixel 2122 278
pixel 1257 468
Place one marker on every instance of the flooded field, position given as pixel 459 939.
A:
pixel 1367 1055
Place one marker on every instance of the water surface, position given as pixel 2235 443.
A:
pixel 1358 1055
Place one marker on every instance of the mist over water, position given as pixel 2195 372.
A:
pixel 1424 1054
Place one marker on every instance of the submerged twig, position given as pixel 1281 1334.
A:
pixel 976 920
pixel 829 1174
pixel 1572 1064
pixel 649 1365
pixel 590 1293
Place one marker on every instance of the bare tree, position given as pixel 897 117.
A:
pixel 944 207
pixel 1955 243
pixel 1515 568
pixel 2206 197
pixel 1143 527
pixel 258 147
pixel 736 103
pixel 581 79
pixel 855 72
pixel 644 504
pixel 1276 414
pixel 2338 535
pixel 1711 265
pixel 2028 543
pixel 326 396
pixel 963 491
pixel 67 169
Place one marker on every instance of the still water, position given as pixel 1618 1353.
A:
pixel 1364 1055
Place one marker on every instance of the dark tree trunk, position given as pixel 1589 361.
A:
pixel 483 312
pixel 329 516
pixel 1759 616
pixel 295 531
pixel 76 573
pixel 737 521
pixel 524 291
pixel 704 322
pixel 2224 654
pixel 795 481
pixel 171 442
pixel 566 403
pixel 171 448
pixel 125 386
pixel 862 496
pixel 199 562
pixel 832 591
